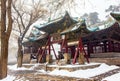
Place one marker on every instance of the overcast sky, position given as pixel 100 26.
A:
pixel 87 6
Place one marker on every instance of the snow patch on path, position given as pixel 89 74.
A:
pixel 85 73
pixel 78 73
pixel 115 77
pixel 8 78
pixel 14 67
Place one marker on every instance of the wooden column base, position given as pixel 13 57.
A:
pixel 49 58
pixel 81 59
pixel 26 58
pixel 67 58
pixel 43 60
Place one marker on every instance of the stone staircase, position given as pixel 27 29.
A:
pixel 108 58
pixel 105 55
pixel 31 75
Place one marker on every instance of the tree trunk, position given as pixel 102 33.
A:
pixel 3 57
pixel 5 31
pixel 20 53
pixel 3 71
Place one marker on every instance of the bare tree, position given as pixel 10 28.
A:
pixel 113 8
pixel 57 7
pixel 93 18
pixel 25 17
pixel 5 31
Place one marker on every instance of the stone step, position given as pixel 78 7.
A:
pixel 105 55
pixel 104 75
pixel 62 67
pixel 33 75
pixel 47 77
pixel 109 61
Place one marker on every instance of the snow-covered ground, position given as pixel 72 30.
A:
pixel 115 77
pixel 8 78
pixel 87 73
pixel 84 73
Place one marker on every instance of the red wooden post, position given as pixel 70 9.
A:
pixel 95 50
pixel 49 41
pixel 113 46
pixel 119 47
pixel 44 50
pixel 72 48
pixel 38 52
pixel 64 45
pixel 74 60
pixel 54 52
pixel 86 56
pixel 81 49
pixel 110 47
pixel 88 49
pixel 105 46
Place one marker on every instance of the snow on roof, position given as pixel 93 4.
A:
pixel 101 26
pixel 93 28
pixel 116 12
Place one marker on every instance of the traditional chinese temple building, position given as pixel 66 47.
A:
pixel 103 41
pixel 75 39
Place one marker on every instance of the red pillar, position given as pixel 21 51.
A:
pixel 54 52
pixel 119 47
pixel 89 49
pixel 110 46
pixel 49 49
pixel 64 45
pixel 105 46
pixel 80 48
pixel 47 43
pixel 72 48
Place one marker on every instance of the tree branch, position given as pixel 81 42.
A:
pixel 19 15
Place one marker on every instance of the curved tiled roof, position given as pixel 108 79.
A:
pixel 55 26
pixel 58 24
pixel 112 32
pixel 78 27
pixel 116 16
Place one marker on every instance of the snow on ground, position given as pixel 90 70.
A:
pixel 14 67
pixel 35 65
pixel 73 66
pixel 78 73
pixel 8 78
pixel 115 77
pixel 85 73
